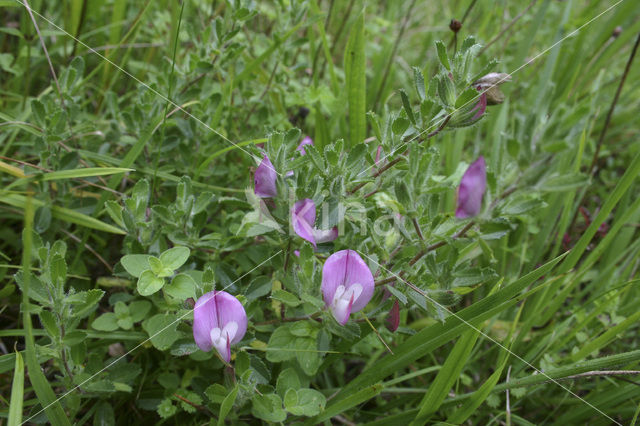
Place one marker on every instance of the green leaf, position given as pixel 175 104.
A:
pixel 406 104
pixel 182 287
pixel 91 299
pixel 418 81
pixel 162 331
pixel 115 212
pixel 139 309
pixel 227 405
pixel 106 322
pixel 135 264
pixel 354 69
pixel 74 337
pixel 397 293
pixel 174 257
pixel 307 354
pixel 304 402
pixel 157 268
pixel 268 407
pixel 288 379
pixel 17 392
pixel 104 415
pixel 149 283
pixel 57 270
pixel 446 90
pixel 442 54
pixel 286 298
pixel 48 321
pixel 280 342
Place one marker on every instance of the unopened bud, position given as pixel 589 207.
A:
pixel 455 25
pixel 616 31
pixel 489 84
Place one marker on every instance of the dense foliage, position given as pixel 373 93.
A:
pixel 378 214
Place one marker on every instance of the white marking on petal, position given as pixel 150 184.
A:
pixel 230 330
pixel 343 299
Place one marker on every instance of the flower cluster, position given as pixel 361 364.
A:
pixel 219 320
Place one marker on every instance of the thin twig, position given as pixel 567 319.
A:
pixel 88 247
pixel 264 92
pixel 505 29
pixel 378 334
pixel 454 39
pixel 613 104
pixel 387 69
pixel 46 54
pixel 421 253
pixel 416 225
pixel 594 160
pixel 193 404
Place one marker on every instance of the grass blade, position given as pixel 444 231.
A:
pixel 82 173
pixel 447 376
pixel 17 392
pixel 62 213
pixel 354 68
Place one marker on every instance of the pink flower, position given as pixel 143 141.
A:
pixel 393 320
pixel 481 106
pixel 471 189
pixel 265 179
pixel 219 320
pixel 303 219
pixel 306 141
pixel 347 284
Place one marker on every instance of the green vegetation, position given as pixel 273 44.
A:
pixel 150 154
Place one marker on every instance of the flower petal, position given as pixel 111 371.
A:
pixel 341 308
pixel 265 179
pixel 471 189
pixel 393 320
pixel 481 106
pixel 205 319
pixel 231 310
pixel 325 235
pixel 346 268
pixel 303 217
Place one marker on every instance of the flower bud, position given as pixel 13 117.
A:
pixel 489 85
pixel 471 189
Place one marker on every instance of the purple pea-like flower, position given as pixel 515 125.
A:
pixel 306 141
pixel 265 179
pixel 471 189
pixel 393 319
pixel 219 321
pixel 481 106
pixel 303 219
pixel 347 284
